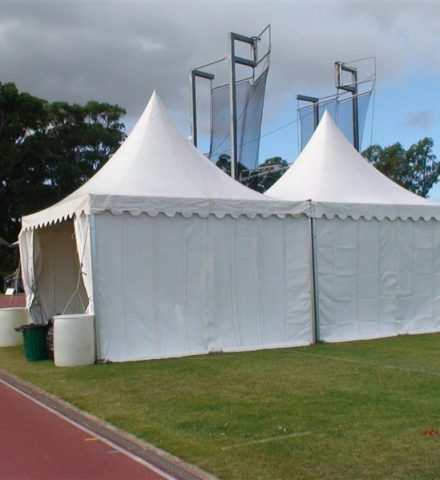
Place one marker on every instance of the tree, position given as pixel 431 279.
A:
pixel 47 150
pixel 260 179
pixel 80 141
pixel 268 173
pixel 224 163
pixel 416 169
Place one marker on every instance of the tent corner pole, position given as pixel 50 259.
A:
pixel 92 227
pixel 315 308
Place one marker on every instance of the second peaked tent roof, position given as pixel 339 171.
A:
pixel 338 181
pixel 157 170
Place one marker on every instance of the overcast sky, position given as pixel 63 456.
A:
pixel 119 52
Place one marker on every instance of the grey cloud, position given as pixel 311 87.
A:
pixel 423 119
pixel 119 51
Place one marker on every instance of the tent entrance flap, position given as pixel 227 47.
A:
pixel 58 279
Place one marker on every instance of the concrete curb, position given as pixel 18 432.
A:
pixel 162 460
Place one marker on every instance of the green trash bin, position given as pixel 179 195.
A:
pixel 34 339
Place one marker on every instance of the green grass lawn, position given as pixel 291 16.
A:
pixel 348 411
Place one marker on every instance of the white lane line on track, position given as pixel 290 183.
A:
pixel 143 462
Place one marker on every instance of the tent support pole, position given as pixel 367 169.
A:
pixel 315 311
pixel 92 227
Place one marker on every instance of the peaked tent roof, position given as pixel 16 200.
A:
pixel 339 181
pixel 158 161
pixel 157 170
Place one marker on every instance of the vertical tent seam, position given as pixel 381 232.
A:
pixel 184 285
pixel 154 228
pixel 260 293
pixel 285 264
pixel 122 272
pixel 357 251
pixel 234 285
pixel 92 227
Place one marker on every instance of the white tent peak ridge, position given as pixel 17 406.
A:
pixel 157 160
pixel 330 171
pixel 158 170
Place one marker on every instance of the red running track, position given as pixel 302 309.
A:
pixel 37 444
pixel 12 301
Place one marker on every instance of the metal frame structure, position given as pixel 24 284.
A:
pixel 234 60
pixel 252 63
pixel 198 73
pixel 351 87
pixel 315 102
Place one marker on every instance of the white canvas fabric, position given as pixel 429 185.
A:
pixel 169 287
pixel 376 245
pixel 176 257
pixel 342 183
pixel 377 278
pixel 83 244
pixel 51 271
pixel 29 261
pixel 157 170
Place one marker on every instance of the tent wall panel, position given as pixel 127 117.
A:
pixel 417 300
pixel 247 304
pixel 297 278
pixel 377 278
pixel 184 286
pixel 388 273
pixel 274 328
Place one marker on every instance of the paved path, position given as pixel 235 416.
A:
pixel 37 444
pixel 12 301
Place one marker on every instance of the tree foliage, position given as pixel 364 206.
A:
pixel 260 180
pixel 47 150
pixel 269 172
pixel 416 169
pixel 224 163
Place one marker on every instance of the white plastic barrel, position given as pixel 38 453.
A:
pixel 9 319
pixel 74 340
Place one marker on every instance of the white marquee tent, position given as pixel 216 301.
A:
pixel 171 255
pixel 376 245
